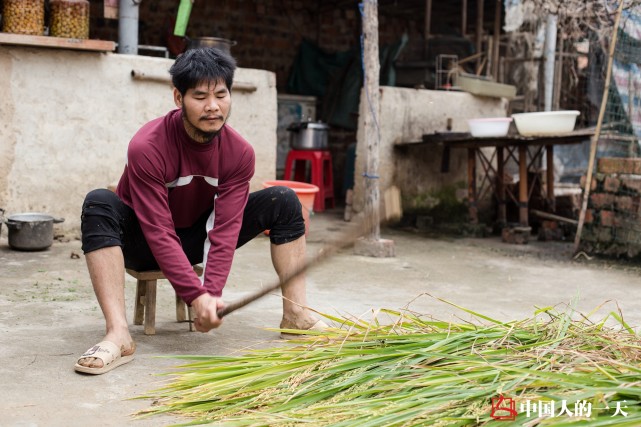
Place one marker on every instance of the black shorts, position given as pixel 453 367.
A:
pixel 107 221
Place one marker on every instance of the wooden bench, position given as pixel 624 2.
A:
pixel 145 305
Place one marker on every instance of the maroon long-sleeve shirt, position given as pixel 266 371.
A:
pixel 170 181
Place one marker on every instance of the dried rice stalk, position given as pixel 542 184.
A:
pixel 579 17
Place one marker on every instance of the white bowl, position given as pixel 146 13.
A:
pixel 544 123
pixel 487 127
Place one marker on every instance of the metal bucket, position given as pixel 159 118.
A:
pixel 31 231
pixel 222 44
pixel 308 136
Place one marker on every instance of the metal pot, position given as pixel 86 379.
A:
pixel 222 44
pixel 31 231
pixel 308 136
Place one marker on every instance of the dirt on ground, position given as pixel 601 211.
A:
pixel 49 315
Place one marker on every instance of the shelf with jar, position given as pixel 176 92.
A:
pixel 23 23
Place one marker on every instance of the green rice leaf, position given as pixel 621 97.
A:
pixel 403 369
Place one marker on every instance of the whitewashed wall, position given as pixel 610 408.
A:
pixel 407 114
pixel 66 118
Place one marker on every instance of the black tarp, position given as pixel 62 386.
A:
pixel 336 79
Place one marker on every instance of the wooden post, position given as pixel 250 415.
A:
pixel 497 40
pixel 463 17
pixel 523 193
pixel 372 245
pixel 479 32
pixel 428 26
pixel 549 177
pixel 471 186
pixel 500 186
pixel 558 73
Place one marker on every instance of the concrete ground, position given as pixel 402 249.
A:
pixel 49 316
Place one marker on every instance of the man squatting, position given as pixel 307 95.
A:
pixel 184 199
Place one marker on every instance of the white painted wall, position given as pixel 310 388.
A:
pixel 66 118
pixel 406 115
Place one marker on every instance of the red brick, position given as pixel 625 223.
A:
pixel 589 217
pixel 601 200
pixel 619 165
pixel 588 235
pixel 625 222
pixel 593 183
pixel 549 225
pixel 604 234
pixel 611 184
pixel 607 218
pixel 626 203
pixel 634 237
pixel 631 183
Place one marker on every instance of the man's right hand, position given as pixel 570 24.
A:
pixel 206 307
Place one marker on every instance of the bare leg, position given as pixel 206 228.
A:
pixel 107 271
pixel 287 259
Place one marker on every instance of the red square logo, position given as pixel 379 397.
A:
pixel 503 408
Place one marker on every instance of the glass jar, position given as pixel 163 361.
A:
pixel 69 18
pixel 23 17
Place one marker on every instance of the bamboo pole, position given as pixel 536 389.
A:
pixel 597 133
pixel 327 252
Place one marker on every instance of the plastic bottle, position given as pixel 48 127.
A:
pixel 69 18
pixel 23 17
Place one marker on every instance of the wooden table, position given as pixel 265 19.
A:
pixel 515 147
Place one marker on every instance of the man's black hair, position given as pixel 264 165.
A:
pixel 203 64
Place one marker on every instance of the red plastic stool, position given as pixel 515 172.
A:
pixel 321 174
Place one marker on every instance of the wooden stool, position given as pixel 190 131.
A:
pixel 145 306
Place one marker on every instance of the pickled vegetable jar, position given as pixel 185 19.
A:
pixel 69 18
pixel 23 17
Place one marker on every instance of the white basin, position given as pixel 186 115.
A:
pixel 490 126
pixel 544 123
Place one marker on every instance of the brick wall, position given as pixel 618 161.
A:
pixel 613 219
pixel 268 32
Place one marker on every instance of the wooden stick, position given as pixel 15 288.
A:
pixel 553 217
pixel 166 78
pixel 328 251
pixel 597 133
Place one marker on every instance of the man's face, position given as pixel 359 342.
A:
pixel 205 109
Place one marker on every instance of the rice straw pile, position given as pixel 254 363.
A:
pixel 420 372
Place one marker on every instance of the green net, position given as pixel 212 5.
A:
pixel 613 218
